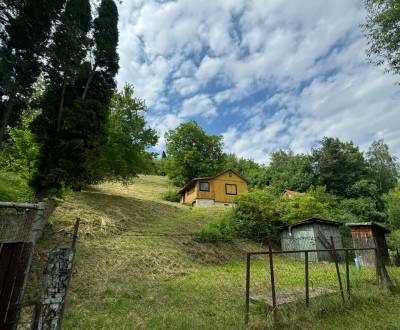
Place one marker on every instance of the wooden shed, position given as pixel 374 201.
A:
pixel 369 234
pixel 312 234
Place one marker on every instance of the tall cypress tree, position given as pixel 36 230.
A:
pixel 24 32
pixel 71 128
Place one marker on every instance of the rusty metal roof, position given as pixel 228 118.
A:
pixel 369 224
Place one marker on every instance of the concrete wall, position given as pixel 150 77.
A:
pixel 204 202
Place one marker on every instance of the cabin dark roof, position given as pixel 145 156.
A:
pixel 314 220
pixel 186 186
pixel 369 224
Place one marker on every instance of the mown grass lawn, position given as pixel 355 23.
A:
pixel 138 267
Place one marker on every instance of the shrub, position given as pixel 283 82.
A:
pixel 302 207
pixel 14 188
pixel 218 230
pixel 171 195
pixel 256 215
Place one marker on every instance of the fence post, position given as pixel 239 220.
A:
pixel 247 288
pixel 272 277
pixel 335 258
pixel 306 278
pixel 382 275
pixel 347 274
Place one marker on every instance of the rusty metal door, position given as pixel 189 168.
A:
pixel 14 259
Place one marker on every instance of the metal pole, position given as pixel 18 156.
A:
pixel 272 276
pixel 306 278
pixel 337 268
pixel 347 274
pixel 247 288
pixel 25 206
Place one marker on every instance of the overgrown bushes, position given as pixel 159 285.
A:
pixel 171 195
pixel 256 215
pixel 219 230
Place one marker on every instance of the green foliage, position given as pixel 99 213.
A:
pixel 73 125
pixel 392 202
pixel 382 31
pixel 217 230
pixel 124 154
pixel 256 215
pixel 24 34
pixel 14 188
pixel 288 170
pixel 191 153
pixel 338 165
pixel 246 167
pixel 303 206
pixel 394 240
pixel 19 153
pixel 171 195
pixel 382 166
pixel 364 209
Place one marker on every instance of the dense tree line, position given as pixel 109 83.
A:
pixel 335 181
pixel 62 123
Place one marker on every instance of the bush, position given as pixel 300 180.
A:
pixel 219 230
pixel 256 215
pixel 300 207
pixel 171 195
pixel 14 188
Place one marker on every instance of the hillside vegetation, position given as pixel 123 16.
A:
pixel 138 266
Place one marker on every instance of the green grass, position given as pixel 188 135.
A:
pixel 126 280
pixel 14 188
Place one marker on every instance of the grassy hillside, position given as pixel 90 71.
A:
pixel 138 267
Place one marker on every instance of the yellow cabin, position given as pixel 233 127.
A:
pixel 219 189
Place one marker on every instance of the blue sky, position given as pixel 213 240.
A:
pixel 266 74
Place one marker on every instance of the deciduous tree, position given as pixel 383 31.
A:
pixel 191 153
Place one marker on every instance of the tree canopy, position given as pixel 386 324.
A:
pixel 383 33
pixel 191 152
pixel 338 165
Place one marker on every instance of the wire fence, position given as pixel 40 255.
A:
pixel 295 277
pixel 160 285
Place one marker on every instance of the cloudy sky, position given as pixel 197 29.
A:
pixel 266 74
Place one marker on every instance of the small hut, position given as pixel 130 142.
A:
pixel 369 235
pixel 312 234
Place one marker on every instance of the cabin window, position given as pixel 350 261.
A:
pixel 204 186
pixel 231 189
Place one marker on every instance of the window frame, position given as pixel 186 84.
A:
pixel 230 184
pixel 208 186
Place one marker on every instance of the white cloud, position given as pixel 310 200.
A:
pixel 199 105
pixel 190 59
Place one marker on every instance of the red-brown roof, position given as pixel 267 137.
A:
pixel 369 224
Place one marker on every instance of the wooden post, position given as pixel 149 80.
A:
pixel 347 274
pixel 75 234
pixel 272 277
pixel 248 260
pixel 306 278
pixel 383 277
pixel 378 278
pixel 335 258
